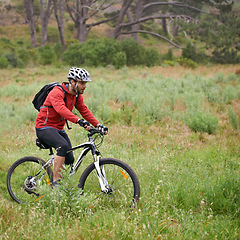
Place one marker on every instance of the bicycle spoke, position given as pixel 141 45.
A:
pixel 121 186
pixel 25 180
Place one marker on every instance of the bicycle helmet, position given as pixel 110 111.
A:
pixel 79 74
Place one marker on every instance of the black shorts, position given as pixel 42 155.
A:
pixel 57 139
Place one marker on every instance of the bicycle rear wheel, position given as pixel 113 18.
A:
pixel 123 185
pixel 25 178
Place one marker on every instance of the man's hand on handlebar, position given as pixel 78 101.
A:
pixel 84 124
pixel 103 129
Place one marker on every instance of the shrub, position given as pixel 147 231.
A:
pixel 103 52
pixel 168 55
pixel 185 62
pixel 3 62
pixel 213 93
pixel 23 56
pixel 151 57
pixel 200 121
pixel 232 118
pixel 191 52
pixel 57 48
pixel 111 47
pixel 229 93
pixel 72 55
pixel 46 55
pixel 134 51
pixel 225 56
pixel 92 52
pixel 168 63
pixel 119 60
pixel 12 59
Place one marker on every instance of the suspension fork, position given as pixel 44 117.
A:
pixel 100 173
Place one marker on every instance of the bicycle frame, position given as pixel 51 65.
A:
pixel 87 146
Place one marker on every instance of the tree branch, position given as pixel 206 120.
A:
pixel 178 4
pixel 185 17
pixel 152 33
pixel 103 21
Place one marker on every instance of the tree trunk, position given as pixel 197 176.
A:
pixel 138 15
pixel 164 26
pixel 83 31
pixel 125 6
pixel 44 19
pixel 80 14
pixel 60 21
pixel 31 21
pixel 175 30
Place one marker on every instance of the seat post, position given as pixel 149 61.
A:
pixel 51 151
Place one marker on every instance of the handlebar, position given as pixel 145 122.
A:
pixel 93 131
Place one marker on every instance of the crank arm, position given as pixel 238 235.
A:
pixel 31 192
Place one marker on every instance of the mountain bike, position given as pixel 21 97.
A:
pixel 107 178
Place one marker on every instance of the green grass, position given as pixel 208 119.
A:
pixel 189 179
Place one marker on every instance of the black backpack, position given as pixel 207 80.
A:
pixel 41 96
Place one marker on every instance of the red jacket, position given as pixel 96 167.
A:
pixel 55 115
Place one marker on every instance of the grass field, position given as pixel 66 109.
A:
pixel 177 128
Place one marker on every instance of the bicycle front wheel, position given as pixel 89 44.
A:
pixel 122 183
pixel 25 178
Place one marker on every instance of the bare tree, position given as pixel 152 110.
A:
pixel 141 8
pixel 84 10
pixel 31 20
pixel 126 4
pixel 45 12
pixel 58 6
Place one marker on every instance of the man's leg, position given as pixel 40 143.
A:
pixel 58 166
pixel 60 141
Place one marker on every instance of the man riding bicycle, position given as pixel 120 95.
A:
pixel 56 109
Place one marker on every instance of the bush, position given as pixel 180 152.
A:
pixel 57 48
pixel 185 62
pixel 46 55
pixel 191 52
pixel 200 121
pixel 23 56
pixel 134 51
pixel 229 93
pixel 3 62
pixel 226 56
pixel 103 52
pixel 97 52
pixel 12 59
pixel 119 60
pixel 168 63
pixel 168 56
pixel 92 52
pixel 72 55
pixel 151 57
pixel 232 118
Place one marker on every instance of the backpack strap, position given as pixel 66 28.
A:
pixel 65 100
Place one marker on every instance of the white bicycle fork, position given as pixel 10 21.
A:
pixel 101 174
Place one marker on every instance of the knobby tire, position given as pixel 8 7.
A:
pixel 19 172
pixel 124 184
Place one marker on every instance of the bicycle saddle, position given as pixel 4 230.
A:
pixel 41 144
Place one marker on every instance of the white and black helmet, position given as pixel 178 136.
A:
pixel 79 74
